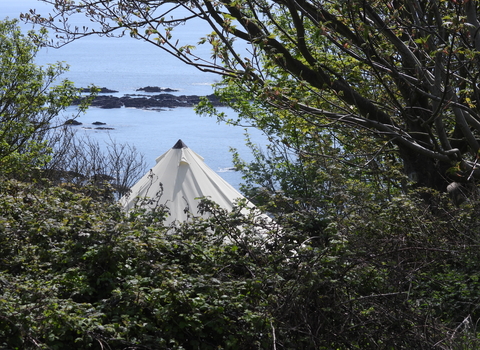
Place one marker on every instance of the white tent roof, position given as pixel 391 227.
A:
pixel 179 180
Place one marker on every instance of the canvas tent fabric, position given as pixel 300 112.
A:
pixel 178 181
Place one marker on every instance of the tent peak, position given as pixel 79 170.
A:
pixel 179 145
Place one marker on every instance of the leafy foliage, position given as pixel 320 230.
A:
pixel 79 272
pixel 28 102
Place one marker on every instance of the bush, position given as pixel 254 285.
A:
pixel 78 272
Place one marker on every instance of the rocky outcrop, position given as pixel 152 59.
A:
pixel 102 90
pixel 150 101
pixel 104 128
pixel 156 89
pixel 99 125
pixel 109 101
pixel 97 128
pixel 72 122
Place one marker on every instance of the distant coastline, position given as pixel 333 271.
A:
pixel 143 101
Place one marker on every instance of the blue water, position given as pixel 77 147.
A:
pixel 126 64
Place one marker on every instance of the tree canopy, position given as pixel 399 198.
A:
pixel 29 102
pixel 402 73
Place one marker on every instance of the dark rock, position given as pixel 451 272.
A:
pixel 107 102
pixel 72 122
pixel 102 90
pixel 104 128
pixel 102 102
pixel 150 102
pixel 99 123
pixel 156 89
pixel 112 104
pixel 138 102
pixel 214 100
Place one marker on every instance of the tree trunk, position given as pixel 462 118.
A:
pixel 425 171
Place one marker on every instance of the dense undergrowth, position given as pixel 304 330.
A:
pixel 76 271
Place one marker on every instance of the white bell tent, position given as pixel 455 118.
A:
pixel 178 181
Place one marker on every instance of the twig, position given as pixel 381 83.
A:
pixel 273 334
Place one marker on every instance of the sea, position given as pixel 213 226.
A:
pixel 126 64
